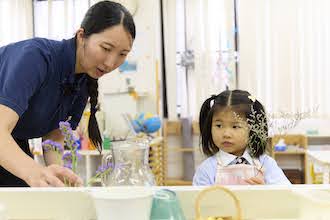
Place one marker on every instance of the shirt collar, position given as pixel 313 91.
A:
pixel 69 63
pixel 227 158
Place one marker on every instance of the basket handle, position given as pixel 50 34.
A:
pixel 214 188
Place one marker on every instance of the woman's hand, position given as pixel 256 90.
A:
pixel 14 160
pixel 53 176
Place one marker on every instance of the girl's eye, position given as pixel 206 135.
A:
pixel 218 125
pixel 237 126
pixel 123 54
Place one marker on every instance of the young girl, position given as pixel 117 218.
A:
pixel 234 131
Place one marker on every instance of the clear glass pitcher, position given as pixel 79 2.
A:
pixel 130 164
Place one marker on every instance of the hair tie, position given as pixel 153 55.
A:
pixel 93 110
pixel 212 100
pixel 252 98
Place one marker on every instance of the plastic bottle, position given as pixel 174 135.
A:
pixel 106 141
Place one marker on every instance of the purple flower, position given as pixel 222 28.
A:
pixel 67 157
pixel 75 144
pixel 70 140
pixel 101 169
pixel 49 145
pixel 71 157
pixel 65 126
pixel 78 155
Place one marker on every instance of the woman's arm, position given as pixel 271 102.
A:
pixel 13 159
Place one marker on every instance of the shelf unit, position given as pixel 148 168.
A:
pixel 318 158
pixel 296 140
pixel 174 129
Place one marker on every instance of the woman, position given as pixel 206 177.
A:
pixel 43 82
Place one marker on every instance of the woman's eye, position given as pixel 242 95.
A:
pixel 236 126
pixel 123 54
pixel 106 49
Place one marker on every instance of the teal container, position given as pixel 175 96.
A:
pixel 166 206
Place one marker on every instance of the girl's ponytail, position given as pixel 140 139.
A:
pixel 93 128
pixel 205 124
pixel 205 109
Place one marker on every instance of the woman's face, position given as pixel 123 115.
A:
pixel 103 52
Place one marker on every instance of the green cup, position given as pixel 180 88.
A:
pixel 166 206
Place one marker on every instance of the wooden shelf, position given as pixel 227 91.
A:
pixel 318 140
pixel 289 152
pixel 180 149
pixel 195 127
pixel 174 182
pixel 172 128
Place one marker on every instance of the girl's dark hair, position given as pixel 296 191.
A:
pixel 241 103
pixel 99 17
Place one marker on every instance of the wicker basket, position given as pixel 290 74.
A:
pixel 215 188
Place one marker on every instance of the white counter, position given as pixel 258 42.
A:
pixel 257 202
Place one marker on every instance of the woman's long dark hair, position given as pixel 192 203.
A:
pixel 242 103
pixel 99 17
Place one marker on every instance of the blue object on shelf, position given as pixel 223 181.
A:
pixel 147 123
pixel 280 148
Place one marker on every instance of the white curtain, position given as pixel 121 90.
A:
pixel 284 52
pixel 210 34
pixel 15 20
pixel 58 19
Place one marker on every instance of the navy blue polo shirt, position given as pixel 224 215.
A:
pixel 38 82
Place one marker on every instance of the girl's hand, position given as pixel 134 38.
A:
pixel 53 176
pixel 257 180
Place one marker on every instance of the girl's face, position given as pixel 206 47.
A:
pixel 102 52
pixel 230 132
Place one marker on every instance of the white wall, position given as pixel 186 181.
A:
pixel 146 53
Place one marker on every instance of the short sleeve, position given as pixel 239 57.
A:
pixel 273 173
pixel 22 72
pixel 205 173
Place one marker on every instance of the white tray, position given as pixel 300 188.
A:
pixel 258 202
